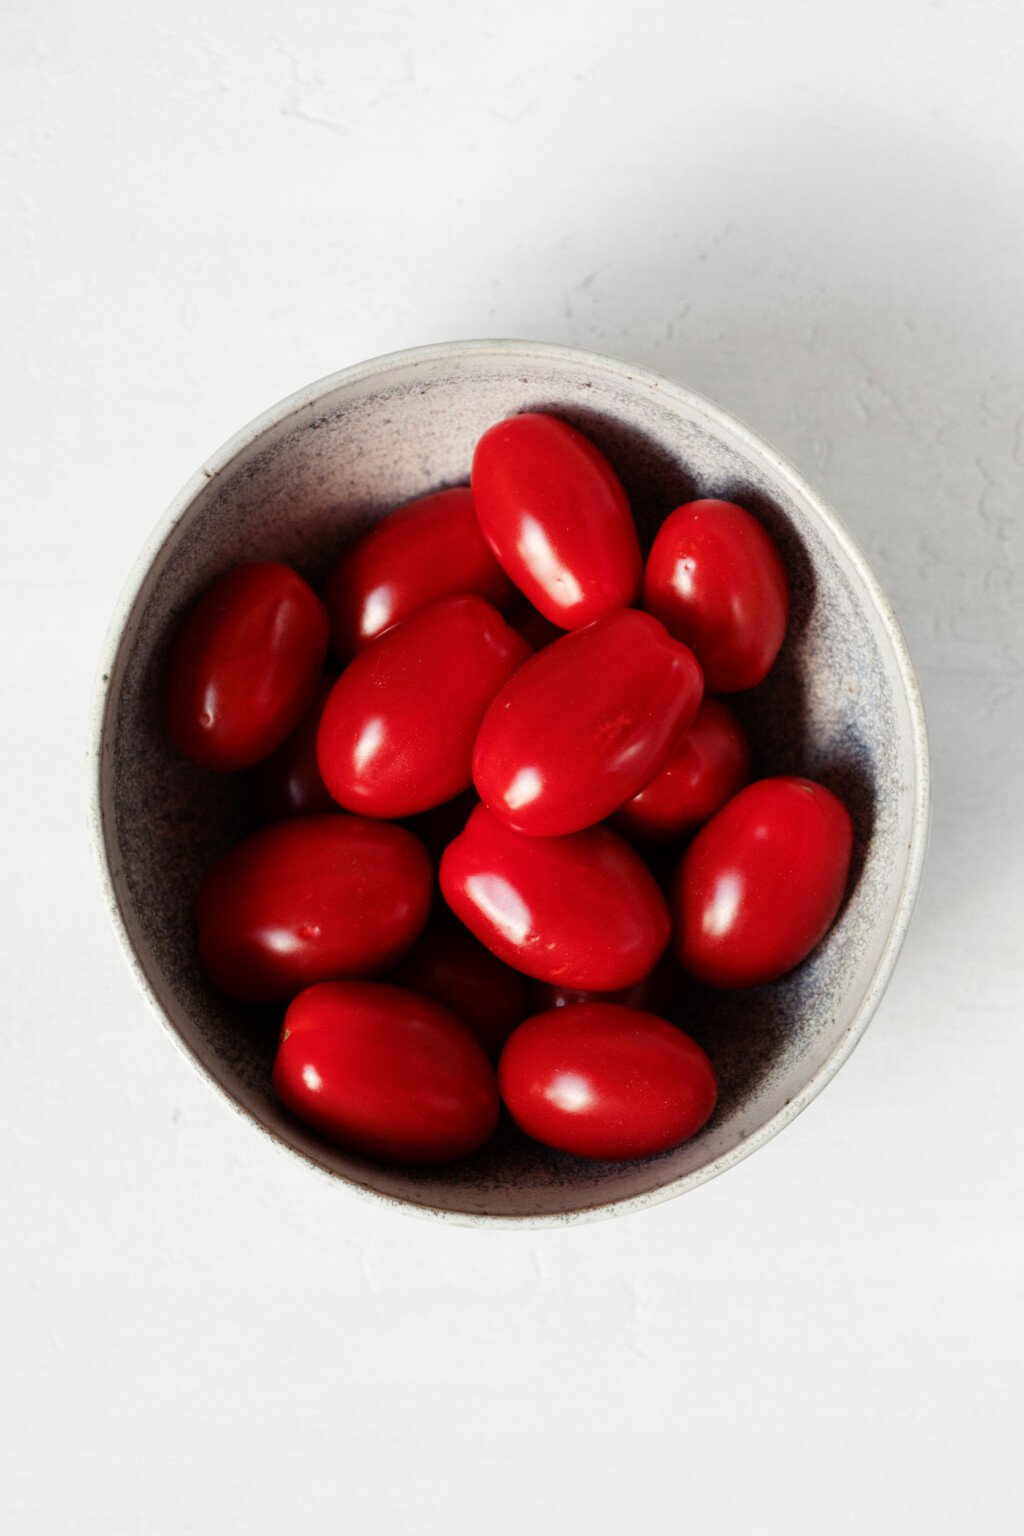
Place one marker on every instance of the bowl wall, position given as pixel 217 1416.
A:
pixel 841 705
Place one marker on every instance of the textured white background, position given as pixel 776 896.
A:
pixel 812 212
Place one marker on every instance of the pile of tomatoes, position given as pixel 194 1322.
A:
pixel 490 642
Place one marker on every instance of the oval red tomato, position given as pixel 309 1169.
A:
pixel 603 1081
pixel 244 666
pixel 584 725
pixel 761 884
pixel 582 910
pixel 312 899
pixel 716 581
pixel 452 968
pixel 397 733
pixel 288 782
pixel 553 511
pixel 385 1073
pixel 707 767
pixel 427 549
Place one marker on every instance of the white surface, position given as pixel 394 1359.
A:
pixel 811 212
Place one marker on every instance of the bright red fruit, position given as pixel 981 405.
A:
pixel 455 970
pixel 427 549
pixel 599 1080
pixel 288 782
pixel 244 666
pixel 760 885
pixel 385 1073
pixel 311 899
pixel 580 911
pixel 709 764
pixel 585 724
pixel 397 733
pixel 716 581
pixel 553 511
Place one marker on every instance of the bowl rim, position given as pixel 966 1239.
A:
pixel 715 415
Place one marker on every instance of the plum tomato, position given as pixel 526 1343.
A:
pixel 427 549
pixel 555 515
pixel 604 1081
pixel 585 724
pixel 455 970
pixel 708 765
pixel 579 911
pixel 244 666
pixel 288 782
pixel 397 733
pixel 717 582
pixel 385 1073
pixel 316 898
pixel 761 884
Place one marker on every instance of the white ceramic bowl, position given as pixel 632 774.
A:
pixel 841 705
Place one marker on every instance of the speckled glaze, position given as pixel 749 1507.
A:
pixel 841 705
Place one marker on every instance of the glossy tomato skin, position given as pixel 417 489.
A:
pixel 761 884
pixel 397 733
pixel 454 969
pixel 244 666
pixel 708 765
pixel 585 724
pixel 603 1081
pixel 553 511
pixel 579 911
pixel 288 782
pixel 313 899
pixel 717 582
pixel 425 550
pixel 385 1073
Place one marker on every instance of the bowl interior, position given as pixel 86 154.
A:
pixel 835 707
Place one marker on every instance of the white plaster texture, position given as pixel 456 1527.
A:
pixel 810 212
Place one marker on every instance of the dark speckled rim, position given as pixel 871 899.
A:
pixel 644 379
